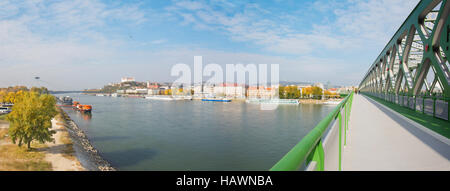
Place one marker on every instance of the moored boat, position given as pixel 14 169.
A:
pixel 165 98
pixel 82 108
pixel 274 101
pixel 217 100
pixel 332 102
pixel 5 110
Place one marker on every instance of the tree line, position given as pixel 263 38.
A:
pixel 293 92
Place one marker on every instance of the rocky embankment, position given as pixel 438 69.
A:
pixel 90 156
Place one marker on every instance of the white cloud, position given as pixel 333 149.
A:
pixel 56 39
pixel 371 22
pixel 356 25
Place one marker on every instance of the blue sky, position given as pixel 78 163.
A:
pixel 82 44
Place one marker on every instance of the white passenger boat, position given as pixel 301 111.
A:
pixel 165 98
pixel 274 101
pixel 332 102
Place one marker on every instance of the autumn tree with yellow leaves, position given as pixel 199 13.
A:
pixel 31 117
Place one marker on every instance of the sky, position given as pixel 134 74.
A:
pixel 81 44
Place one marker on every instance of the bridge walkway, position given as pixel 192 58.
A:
pixel 381 139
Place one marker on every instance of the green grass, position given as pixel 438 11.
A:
pixel 15 158
pixel 437 125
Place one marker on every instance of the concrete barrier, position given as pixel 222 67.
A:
pixel 441 110
pixel 428 106
pixel 419 104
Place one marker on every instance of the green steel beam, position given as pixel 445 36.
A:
pixel 430 22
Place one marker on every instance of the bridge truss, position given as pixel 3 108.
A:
pixel 413 68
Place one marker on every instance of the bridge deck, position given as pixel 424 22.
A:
pixel 381 140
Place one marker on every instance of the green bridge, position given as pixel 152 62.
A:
pixel 400 118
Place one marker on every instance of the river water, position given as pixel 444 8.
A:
pixel 140 134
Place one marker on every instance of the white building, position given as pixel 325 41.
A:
pixel 262 92
pixel 253 92
pixel 234 90
pixel 142 91
pixel 208 90
pixel 198 90
pixel 130 91
pixel 128 79
pixel 153 92
pixel 219 91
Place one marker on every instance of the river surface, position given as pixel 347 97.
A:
pixel 140 134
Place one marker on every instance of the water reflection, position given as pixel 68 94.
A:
pixel 139 134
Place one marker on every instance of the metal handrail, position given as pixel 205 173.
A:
pixel 434 98
pixel 298 155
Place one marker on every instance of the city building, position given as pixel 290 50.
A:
pixel 234 90
pixel 142 91
pixel 262 92
pixel 208 90
pixel 332 90
pixel 253 92
pixel 127 79
pixel 152 85
pixel 198 90
pixel 130 91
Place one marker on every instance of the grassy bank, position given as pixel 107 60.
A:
pixel 439 126
pixel 14 158
pixel 65 139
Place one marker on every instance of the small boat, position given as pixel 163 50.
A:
pixel 7 105
pixel 5 110
pixel 134 96
pixel 274 101
pixel 85 108
pixel 217 100
pixel 82 108
pixel 66 100
pixel 187 97
pixel 75 103
pixel 332 103
pixel 165 98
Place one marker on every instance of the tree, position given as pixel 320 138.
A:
pixel 282 92
pixel 317 91
pixel 41 90
pixel 289 92
pixel 307 92
pixel 31 117
pixel 3 96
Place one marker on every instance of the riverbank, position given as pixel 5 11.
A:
pixel 70 151
pixel 60 153
pixel 86 153
pixel 317 101
pixel 51 156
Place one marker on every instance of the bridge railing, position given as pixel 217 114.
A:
pixel 321 149
pixel 435 106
